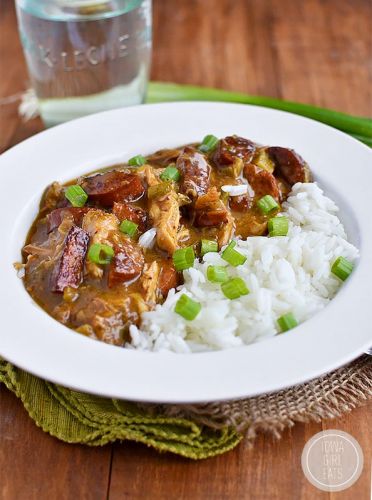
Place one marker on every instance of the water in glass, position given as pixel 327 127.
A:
pixel 85 56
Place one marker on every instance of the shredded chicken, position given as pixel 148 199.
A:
pixel 138 302
pixel 150 175
pixel 150 278
pixel 165 214
pixel 227 230
pixel 164 157
pixel 45 255
pixel 51 197
pixel 98 224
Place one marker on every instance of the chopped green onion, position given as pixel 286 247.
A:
pixel 100 254
pixel 232 256
pixel 208 144
pixel 128 227
pixel 187 308
pixel 208 246
pixel 76 195
pixel 342 268
pixel 234 288
pixel 159 190
pixel 267 204
pixel 217 274
pixel 278 226
pixel 287 322
pixel 137 161
pixel 171 173
pixel 165 92
pixel 183 258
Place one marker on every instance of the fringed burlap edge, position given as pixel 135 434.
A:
pixel 324 398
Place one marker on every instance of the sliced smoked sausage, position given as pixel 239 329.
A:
pixel 289 165
pixel 127 263
pixel 127 211
pixel 168 278
pixel 55 217
pixel 69 269
pixel 195 172
pixel 113 186
pixel 261 181
pixel 232 147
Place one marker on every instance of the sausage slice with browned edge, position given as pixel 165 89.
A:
pixel 232 147
pixel 127 264
pixel 195 172
pixel 168 278
pixel 209 210
pixel 126 211
pixel 114 186
pixel 69 269
pixel 289 165
pixel 55 217
pixel 261 181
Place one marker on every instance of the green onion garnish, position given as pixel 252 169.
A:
pixel 278 226
pixel 171 173
pixel 128 227
pixel 232 256
pixel 100 254
pixel 287 322
pixel 187 308
pixel 76 195
pixel 234 288
pixel 360 127
pixel 137 161
pixel 208 144
pixel 342 268
pixel 208 246
pixel 267 204
pixel 183 258
pixel 217 274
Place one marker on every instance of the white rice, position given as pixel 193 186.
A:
pixel 284 274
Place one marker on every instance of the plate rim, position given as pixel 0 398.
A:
pixel 203 396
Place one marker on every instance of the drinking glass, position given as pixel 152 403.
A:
pixel 85 56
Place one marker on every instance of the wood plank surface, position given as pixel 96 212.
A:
pixel 35 466
pixel 315 51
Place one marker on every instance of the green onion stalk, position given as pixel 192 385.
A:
pixel 357 126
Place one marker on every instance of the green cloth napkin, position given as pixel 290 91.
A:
pixel 75 417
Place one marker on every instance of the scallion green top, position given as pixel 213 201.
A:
pixel 100 254
pixel 171 173
pixel 76 195
pixel 183 258
pixel 208 144
pixel 267 204
pixel 137 161
pixel 128 227
pixel 232 256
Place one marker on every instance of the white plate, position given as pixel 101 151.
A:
pixel 37 343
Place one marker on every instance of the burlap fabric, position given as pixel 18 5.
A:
pixel 326 397
pixel 194 431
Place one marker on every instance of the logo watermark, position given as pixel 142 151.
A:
pixel 332 460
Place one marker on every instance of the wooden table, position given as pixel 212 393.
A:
pixel 315 51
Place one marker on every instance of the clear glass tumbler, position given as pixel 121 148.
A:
pixel 85 56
